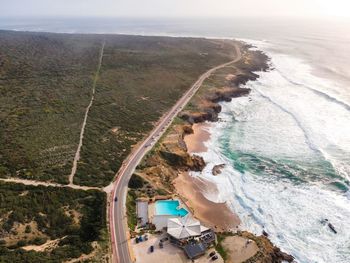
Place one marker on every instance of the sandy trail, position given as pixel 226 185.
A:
pixel 37 183
pixel 77 154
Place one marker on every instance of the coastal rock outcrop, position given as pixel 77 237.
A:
pixel 209 107
pixel 182 160
pixel 267 251
pixel 171 157
pixel 187 129
pixel 217 169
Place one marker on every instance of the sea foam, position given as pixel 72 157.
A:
pixel 292 126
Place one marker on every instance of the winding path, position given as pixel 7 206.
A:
pixel 36 183
pixel 117 212
pixel 77 154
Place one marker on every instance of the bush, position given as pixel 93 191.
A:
pixel 28 229
pixel 39 241
pixel 21 243
pixel 136 182
pixel 46 206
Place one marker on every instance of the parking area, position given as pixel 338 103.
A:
pixel 168 254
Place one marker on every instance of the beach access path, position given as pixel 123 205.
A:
pixel 117 210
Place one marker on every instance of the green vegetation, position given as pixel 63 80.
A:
pixel 140 79
pixel 73 217
pixel 139 188
pixel 136 182
pixel 45 86
pixel 219 248
pixel 131 209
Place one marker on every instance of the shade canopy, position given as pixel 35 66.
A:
pixel 184 227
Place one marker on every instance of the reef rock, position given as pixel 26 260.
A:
pixel 217 169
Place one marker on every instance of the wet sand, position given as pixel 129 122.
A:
pixel 215 215
pixel 195 141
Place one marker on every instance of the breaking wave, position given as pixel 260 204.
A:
pixel 287 153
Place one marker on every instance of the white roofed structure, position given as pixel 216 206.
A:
pixel 184 227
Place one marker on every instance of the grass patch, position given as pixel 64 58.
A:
pixel 131 209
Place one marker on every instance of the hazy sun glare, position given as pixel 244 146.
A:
pixel 177 8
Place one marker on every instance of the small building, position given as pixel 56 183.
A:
pixel 188 234
pixel 183 228
pixel 195 250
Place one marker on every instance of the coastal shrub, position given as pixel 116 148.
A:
pixel 131 209
pixel 28 229
pixel 39 241
pixel 46 206
pixel 136 182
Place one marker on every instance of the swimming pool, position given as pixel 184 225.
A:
pixel 170 207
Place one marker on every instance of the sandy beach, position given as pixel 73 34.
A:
pixel 195 141
pixel 190 189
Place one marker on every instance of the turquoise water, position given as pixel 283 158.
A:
pixel 286 148
pixel 170 207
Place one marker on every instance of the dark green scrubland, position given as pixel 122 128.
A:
pixel 32 215
pixel 140 79
pixel 45 87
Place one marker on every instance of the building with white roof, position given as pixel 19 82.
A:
pixel 184 227
pixel 188 233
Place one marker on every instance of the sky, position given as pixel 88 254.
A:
pixel 175 8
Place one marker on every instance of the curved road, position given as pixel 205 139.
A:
pixel 118 222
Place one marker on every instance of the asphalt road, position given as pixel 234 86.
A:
pixel 117 213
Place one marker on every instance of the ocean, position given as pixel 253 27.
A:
pixel 286 146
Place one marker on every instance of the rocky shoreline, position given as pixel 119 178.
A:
pixel 171 158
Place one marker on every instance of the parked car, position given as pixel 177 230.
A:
pixel 145 237
pixel 212 253
pixel 164 239
pixel 214 258
pixel 151 249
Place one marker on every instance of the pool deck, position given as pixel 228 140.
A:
pixel 151 209
pixel 142 212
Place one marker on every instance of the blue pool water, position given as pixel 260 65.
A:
pixel 170 207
